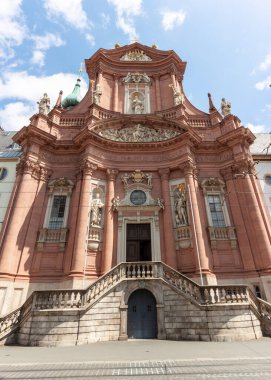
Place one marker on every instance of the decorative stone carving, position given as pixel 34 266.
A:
pixel 137 105
pixel 180 207
pixel 160 203
pixel 44 104
pixel 225 107
pixel 96 211
pixel 61 185
pixel 28 166
pixel 135 55
pixel 97 93
pixel 177 95
pixel 115 203
pixel 137 177
pixel 87 167
pixel 136 78
pixel 138 133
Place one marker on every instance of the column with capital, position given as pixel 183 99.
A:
pixel 169 239
pixel 20 215
pixel 238 220
pixel 202 260
pixel 157 92
pixel 25 264
pixel 78 259
pixel 107 260
pixel 258 234
pixel 116 93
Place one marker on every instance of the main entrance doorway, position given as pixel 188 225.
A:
pixel 138 243
pixel 142 316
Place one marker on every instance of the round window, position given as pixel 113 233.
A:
pixel 267 179
pixel 3 173
pixel 138 197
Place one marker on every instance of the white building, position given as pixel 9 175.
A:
pixel 261 151
pixel 9 157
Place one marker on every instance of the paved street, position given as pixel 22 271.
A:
pixel 140 359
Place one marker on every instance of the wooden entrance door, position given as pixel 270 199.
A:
pixel 138 243
pixel 142 316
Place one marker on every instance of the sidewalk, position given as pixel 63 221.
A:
pixel 137 350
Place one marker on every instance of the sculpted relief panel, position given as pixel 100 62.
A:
pixel 137 133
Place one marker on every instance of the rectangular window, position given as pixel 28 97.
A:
pixel 57 213
pixel 216 211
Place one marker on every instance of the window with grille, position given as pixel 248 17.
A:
pixel 216 211
pixel 57 212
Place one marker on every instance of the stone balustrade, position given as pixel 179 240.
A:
pixel 58 236
pixel 222 233
pixel 72 121
pixel 83 299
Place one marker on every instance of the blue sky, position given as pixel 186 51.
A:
pixel 226 43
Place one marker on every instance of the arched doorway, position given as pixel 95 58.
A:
pixel 142 316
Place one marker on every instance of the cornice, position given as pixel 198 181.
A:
pixel 233 137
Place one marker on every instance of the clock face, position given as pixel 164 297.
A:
pixel 138 197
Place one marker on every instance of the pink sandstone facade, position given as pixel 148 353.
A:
pixel 134 173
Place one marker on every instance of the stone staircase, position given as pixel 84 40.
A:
pixel 48 309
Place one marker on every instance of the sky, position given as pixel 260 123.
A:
pixel 226 44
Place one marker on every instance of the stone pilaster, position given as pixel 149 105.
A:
pixel 238 219
pixel 107 260
pixel 258 234
pixel 79 251
pixel 116 93
pixel 169 239
pixel 29 173
pixel 158 92
pixel 202 261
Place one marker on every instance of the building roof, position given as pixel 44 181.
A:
pixel 262 144
pixel 8 148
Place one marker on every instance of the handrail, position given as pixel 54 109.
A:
pixel 206 295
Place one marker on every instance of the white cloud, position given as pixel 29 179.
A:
pixel 171 19
pixel 71 11
pixel 25 90
pixel 16 115
pixel 126 10
pixel 266 63
pixel 263 84
pixel 260 128
pixel 43 43
pixel 105 20
pixel 13 29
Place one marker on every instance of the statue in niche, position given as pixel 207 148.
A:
pixel 44 104
pixel 181 210
pixel 137 105
pixel 96 211
pixel 225 107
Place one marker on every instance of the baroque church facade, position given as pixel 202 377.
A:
pixel 134 177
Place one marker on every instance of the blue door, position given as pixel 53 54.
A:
pixel 142 317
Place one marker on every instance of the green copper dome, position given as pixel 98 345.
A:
pixel 74 98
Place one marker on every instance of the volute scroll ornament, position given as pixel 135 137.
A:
pixel 88 167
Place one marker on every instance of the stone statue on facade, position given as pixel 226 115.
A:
pixel 225 107
pixel 137 105
pixel 115 203
pixel 177 95
pixel 97 93
pixel 96 211
pixel 136 55
pixel 125 179
pixel 181 210
pixel 44 104
pixel 148 177
pixel 160 203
